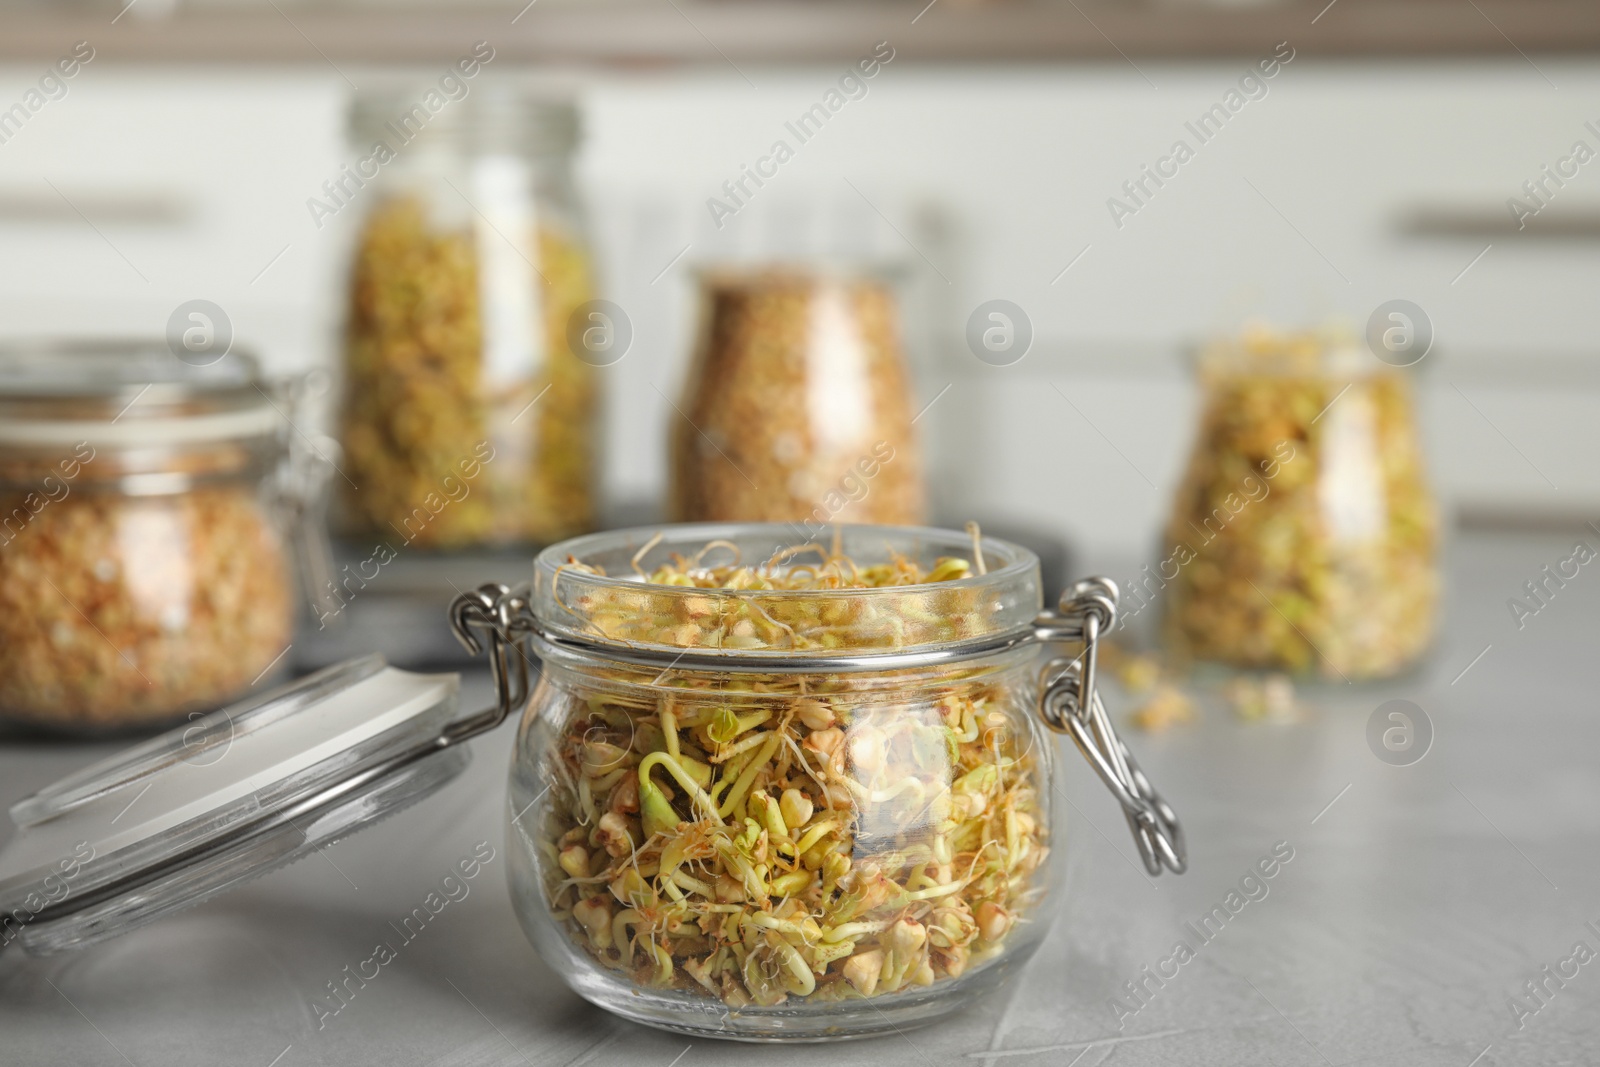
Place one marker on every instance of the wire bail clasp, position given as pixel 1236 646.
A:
pixel 499 616
pixel 1069 703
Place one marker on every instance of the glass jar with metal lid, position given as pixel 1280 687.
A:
pixel 469 410
pixel 762 790
pixel 145 503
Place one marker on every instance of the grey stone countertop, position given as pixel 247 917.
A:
pixel 1418 902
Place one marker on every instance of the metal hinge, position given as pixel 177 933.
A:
pixel 1069 703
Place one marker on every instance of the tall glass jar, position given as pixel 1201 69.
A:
pixel 1304 537
pixel 769 791
pixel 145 513
pixel 468 420
pixel 798 407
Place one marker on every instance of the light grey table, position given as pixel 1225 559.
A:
pixel 1419 900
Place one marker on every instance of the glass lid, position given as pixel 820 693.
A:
pixel 186 815
pixel 116 392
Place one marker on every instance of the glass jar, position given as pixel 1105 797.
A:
pixel 144 572
pixel 1304 537
pixel 798 406
pixel 788 814
pixel 468 419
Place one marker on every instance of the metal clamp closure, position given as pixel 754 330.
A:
pixel 1070 704
pixel 502 616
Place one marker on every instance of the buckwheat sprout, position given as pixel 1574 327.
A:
pixel 658 813
pixel 694 561
pixel 644 551
pixel 977 548
pixel 785 554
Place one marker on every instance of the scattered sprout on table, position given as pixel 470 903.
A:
pixel 1167 706
pixel 1270 699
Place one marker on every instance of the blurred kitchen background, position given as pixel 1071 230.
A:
pixel 179 162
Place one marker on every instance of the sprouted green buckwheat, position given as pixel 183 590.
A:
pixel 762 837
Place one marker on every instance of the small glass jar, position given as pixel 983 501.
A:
pixel 144 572
pixel 468 418
pixel 798 407
pixel 771 814
pixel 1304 537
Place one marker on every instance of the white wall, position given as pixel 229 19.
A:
pixel 999 177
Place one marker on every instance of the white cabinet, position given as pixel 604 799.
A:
pixel 139 191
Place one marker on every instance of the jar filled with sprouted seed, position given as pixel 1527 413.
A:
pixel 1305 536
pixel 154 514
pixel 798 406
pixel 769 790
pixel 469 415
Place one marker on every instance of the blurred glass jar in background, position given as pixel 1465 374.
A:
pixel 1304 537
pixel 146 508
pixel 798 405
pixel 467 419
